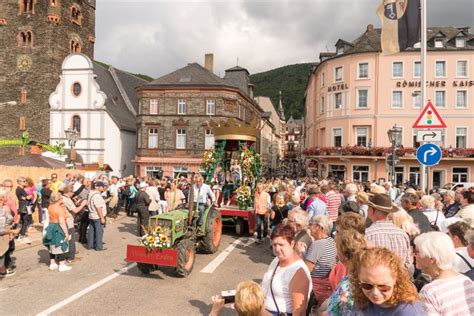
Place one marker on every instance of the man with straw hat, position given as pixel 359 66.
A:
pixel 383 233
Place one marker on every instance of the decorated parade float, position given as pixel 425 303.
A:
pixel 235 148
pixel 173 238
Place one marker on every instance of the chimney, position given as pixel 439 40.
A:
pixel 209 62
pixel 370 28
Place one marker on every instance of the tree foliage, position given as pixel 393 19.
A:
pixel 291 80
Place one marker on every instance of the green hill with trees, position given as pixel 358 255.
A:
pixel 291 80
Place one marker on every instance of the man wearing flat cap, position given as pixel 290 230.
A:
pixel 383 233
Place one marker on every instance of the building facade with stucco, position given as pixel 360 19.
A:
pixel 356 94
pixel 100 103
pixel 176 111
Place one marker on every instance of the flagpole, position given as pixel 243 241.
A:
pixel 423 180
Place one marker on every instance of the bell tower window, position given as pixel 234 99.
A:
pixel 25 39
pixel 27 6
pixel 75 46
pixel 76 15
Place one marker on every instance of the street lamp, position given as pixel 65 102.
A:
pixel 72 136
pixel 395 138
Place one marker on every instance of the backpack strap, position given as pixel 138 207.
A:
pixel 465 260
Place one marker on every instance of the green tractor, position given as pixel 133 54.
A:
pixel 173 239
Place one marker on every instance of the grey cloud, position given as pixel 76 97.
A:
pixel 156 37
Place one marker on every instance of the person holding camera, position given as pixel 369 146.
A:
pixel 249 300
pixel 73 211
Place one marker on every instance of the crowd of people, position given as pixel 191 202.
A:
pixel 338 247
pixel 76 208
pixel 346 248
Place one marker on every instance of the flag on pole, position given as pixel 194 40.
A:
pixel 401 24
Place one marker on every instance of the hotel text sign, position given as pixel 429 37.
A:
pixel 435 83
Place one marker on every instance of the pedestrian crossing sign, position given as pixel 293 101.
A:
pixel 429 118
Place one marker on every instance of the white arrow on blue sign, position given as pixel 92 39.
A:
pixel 429 154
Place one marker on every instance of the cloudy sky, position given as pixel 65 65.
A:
pixel 155 37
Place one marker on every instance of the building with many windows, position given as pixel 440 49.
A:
pixel 356 94
pixel 176 112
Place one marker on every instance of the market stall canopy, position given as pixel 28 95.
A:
pixel 36 161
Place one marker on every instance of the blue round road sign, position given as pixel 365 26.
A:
pixel 429 154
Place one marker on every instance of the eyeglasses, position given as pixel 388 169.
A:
pixel 369 287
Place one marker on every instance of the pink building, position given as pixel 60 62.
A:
pixel 355 95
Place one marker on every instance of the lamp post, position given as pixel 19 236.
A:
pixel 395 138
pixel 72 136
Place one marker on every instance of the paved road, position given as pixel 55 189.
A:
pixel 103 283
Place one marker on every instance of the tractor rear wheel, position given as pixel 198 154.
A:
pixel 186 255
pixel 145 268
pixel 211 241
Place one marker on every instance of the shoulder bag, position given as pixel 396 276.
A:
pixel 273 296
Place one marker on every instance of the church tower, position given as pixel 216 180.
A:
pixel 36 36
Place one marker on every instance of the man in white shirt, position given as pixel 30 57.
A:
pixel 152 191
pixel 202 192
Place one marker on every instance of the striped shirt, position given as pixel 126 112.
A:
pixel 385 234
pixel 333 201
pixel 322 253
pixel 452 296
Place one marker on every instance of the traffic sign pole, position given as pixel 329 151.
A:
pixel 423 78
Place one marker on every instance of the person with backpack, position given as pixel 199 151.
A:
pixel 462 262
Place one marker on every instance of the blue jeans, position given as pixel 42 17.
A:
pixel 95 234
pixel 262 219
pixel 201 208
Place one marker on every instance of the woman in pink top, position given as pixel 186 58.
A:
pixel 7 184
pixel 450 293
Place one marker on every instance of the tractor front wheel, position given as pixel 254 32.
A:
pixel 211 241
pixel 186 254
pixel 145 268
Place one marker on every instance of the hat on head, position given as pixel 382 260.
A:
pixel 382 202
pixel 100 184
pixel 143 185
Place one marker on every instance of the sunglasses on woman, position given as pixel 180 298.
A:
pixel 381 288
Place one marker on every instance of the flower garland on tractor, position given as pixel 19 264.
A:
pixel 156 238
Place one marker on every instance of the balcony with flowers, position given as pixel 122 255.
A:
pixel 383 151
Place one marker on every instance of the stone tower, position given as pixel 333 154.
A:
pixel 36 36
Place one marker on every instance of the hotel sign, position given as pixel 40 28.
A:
pixel 338 87
pixel 436 84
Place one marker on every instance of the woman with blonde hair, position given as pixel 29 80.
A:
pixel 249 300
pixel 404 221
pixel 362 199
pixel 174 196
pixel 348 243
pixel 279 210
pixel 57 236
pixel 435 216
pixel 381 285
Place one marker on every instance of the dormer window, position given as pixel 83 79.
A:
pixel 340 50
pixel 439 43
pixel 460 41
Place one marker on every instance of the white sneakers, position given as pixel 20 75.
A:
pixel 64 268
pixel 61 268
pixel 53 267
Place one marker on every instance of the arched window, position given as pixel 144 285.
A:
pixel 76 123
pixel 76 15
pixel 27 6
pixel 25 39
pixel 75 46
pixel 76 89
